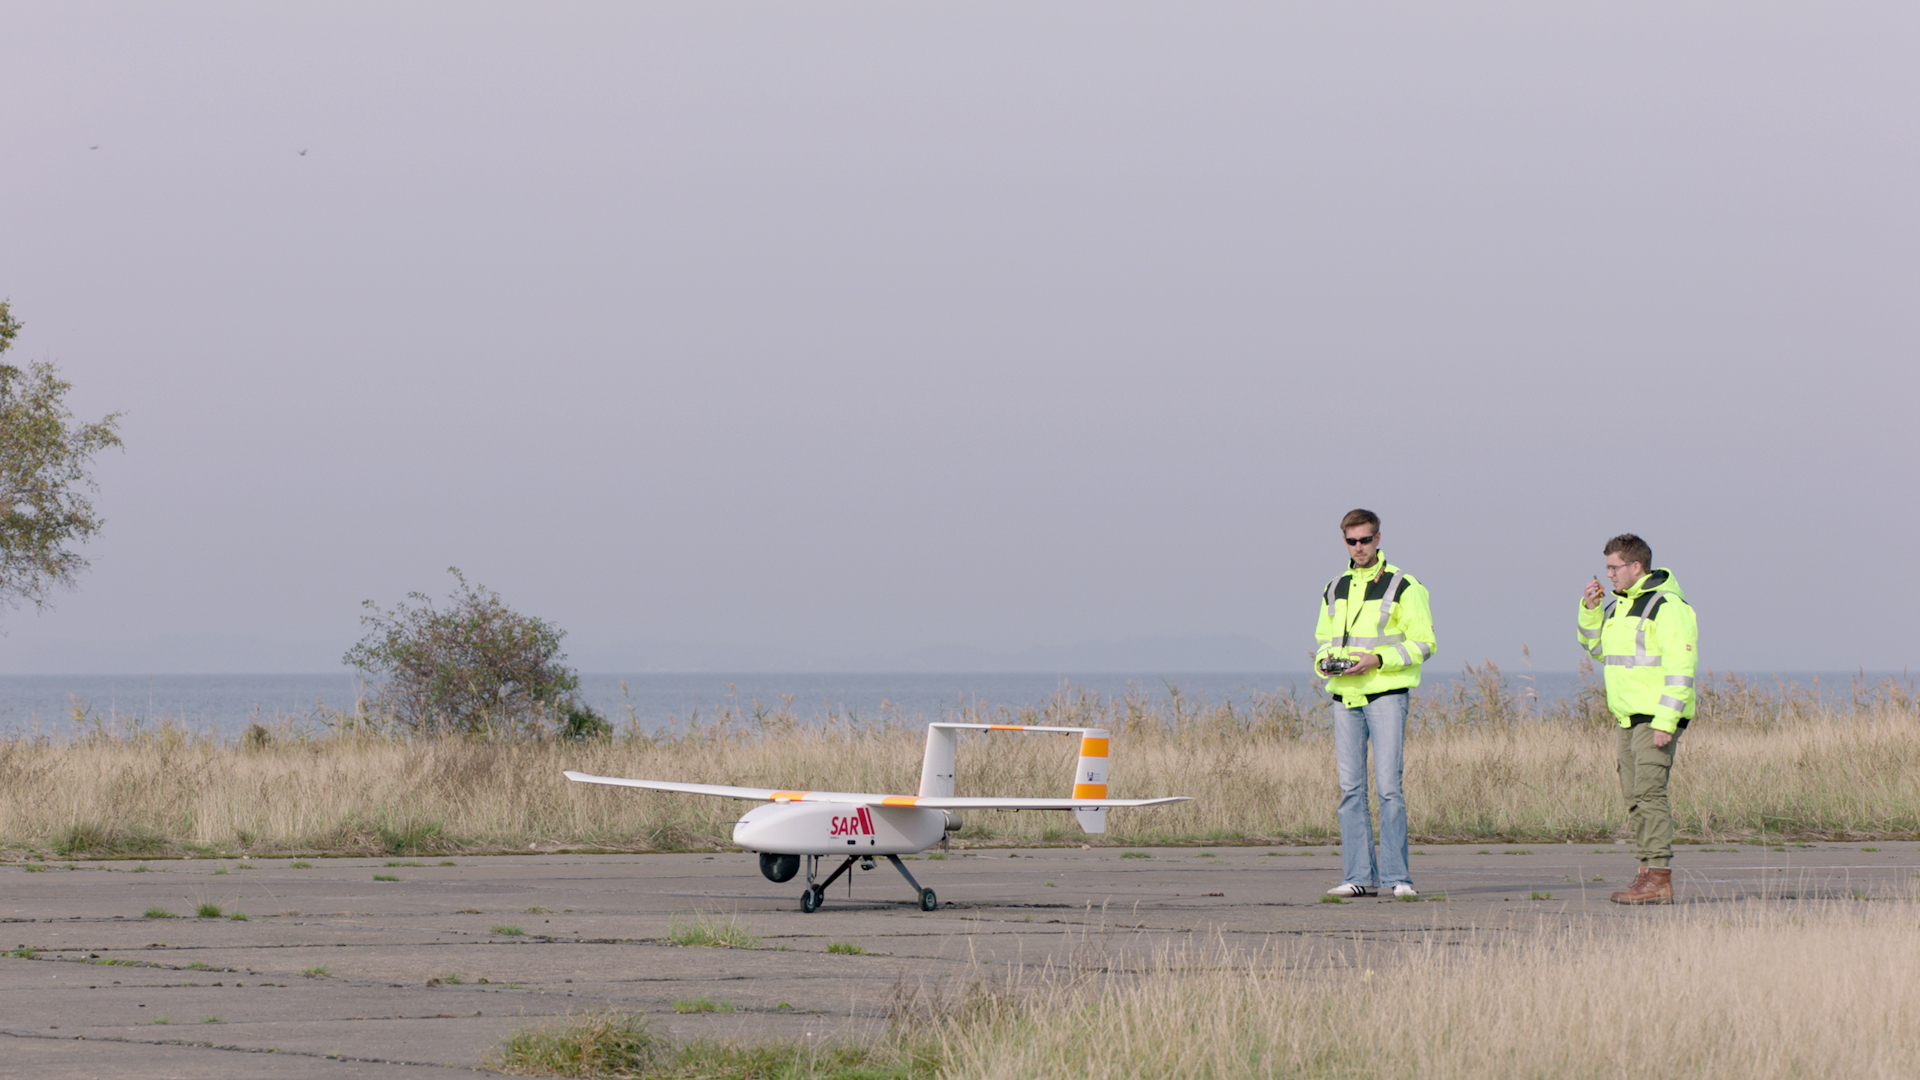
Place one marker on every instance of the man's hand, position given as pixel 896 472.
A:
pixel 1364 663
pixel 1593 594
pixel 1662 738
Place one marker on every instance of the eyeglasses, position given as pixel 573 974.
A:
pixel 1611 568
pixel 1356 541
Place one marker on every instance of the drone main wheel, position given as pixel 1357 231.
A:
pixel 810 900
pixel 928 901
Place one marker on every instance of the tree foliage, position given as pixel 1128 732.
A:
pixel 472 666
pixel 45 478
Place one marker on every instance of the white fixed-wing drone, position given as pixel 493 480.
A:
pixel 861 826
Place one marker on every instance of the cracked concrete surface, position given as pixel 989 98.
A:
pixel 335 974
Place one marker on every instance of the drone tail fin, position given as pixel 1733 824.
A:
pixel 936 772
pixel 1090 779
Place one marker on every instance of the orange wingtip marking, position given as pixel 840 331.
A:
pixel 1089 791
pixel 900 800
pixel 1091 747
pixel 787 796
pixel 1006 727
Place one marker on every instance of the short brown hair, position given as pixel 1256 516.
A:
pixel 1631 548
pixel 1359 517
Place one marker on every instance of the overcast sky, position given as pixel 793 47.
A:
pixel 745 336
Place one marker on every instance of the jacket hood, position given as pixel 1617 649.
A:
pixel 1657 580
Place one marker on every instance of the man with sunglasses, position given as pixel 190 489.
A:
pixel 1375 631
pixel 1646 641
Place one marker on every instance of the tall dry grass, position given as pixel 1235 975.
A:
pixel 1482 763
pixel 1755 992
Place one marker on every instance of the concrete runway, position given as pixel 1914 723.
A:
pixel 418 982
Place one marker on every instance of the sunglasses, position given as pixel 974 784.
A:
pixel 1356 541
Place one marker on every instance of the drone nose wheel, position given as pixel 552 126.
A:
pixel 810 900
pixel 928 901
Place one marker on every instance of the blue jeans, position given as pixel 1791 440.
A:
pixel 1383 721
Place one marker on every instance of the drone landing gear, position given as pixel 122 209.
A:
pixel 816 893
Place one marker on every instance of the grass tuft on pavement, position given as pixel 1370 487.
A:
pixel 607 1043
pixel 705 930
pixel 622 1044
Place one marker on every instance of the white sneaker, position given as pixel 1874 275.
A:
pixel 1403 892
pixel 1350 890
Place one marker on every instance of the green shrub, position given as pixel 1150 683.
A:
pixel 474 666
pixel 582 723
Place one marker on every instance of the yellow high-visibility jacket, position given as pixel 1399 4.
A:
pixel 1647 641
pixel 1379 609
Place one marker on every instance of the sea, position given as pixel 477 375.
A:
pixel 222 706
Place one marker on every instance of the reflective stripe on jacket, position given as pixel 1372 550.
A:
pixel 1647 643
pixel 1390 619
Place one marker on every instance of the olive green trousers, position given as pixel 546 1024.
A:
pixel 1643 783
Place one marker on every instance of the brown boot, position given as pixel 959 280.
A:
pixel 1632 887
pixel 1654 888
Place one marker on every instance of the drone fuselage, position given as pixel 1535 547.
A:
pixel 803 828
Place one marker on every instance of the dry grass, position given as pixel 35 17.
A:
pixel 1756 992
pixel 1481 764
pixel 1759 991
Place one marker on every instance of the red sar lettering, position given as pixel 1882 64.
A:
pixel 860 824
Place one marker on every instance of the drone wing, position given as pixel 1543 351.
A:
pixel 725 791
pixel 942 802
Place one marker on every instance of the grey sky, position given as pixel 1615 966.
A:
pixel 763 335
